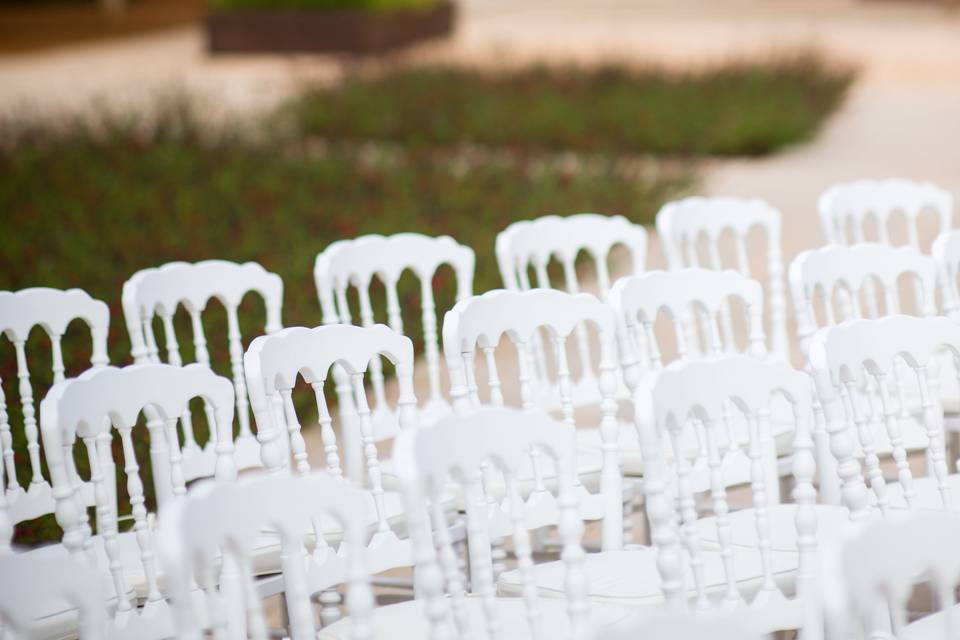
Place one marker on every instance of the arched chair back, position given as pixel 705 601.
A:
pixel 840 275
pixel 881 354
pixel 30 583
pixel 684 404
pixel 875 570
pixel 208 543
pixel 946 253
pixel 482 321
pixel 89 408
pixel 273 364
pixel 355 263
pixel 848 209
pixel 469 450
pixel 695 302
pixel 158 292
pixel 682 225
pixel 52 310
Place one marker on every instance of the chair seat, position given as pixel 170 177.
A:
pixel 927 494
pixel 931 627
pixel 408 620
pixel 832 521
pixel 589 442
pixel 630 577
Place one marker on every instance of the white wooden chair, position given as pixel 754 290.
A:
pixel 158 292
pixel 761 555
pixel 883 353
pixel 684 224
pixel 355 263
pixel 474 451
pixel 273 364
pixel 40 595
pixel 849 210
pixel 209 541
pixel 52 310
pixel 946 253
pixel 91 406
pixel 533 244
pixel 482 321
pixel 873 573
pixel 696 303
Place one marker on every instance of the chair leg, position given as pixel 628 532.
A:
pixel 329 607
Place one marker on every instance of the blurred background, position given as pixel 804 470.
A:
pixel 138 132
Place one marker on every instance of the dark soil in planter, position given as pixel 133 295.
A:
pixel 325 31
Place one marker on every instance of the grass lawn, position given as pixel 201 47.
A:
pixel 738 109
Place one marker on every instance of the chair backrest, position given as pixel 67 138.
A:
pixel 696 302
pixel 467 449
pixel 693 396
pixel 534 243
pixel 88 408
pixel 355 263
pixel 879 354
pixel 682 224
pixel 846 209
pixel 839 275
pixel 482 321
pixel 946 253
pixel 157 292
pixel 52 310
pixel 32 586
pixel 875 570
pixel 211 535
pixel 273 364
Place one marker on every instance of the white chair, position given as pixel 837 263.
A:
pixel 682 224
pixel 847 210
pixel 484 454
pixel 946 253
pixel 52 310
pixel 273 364
pixel 355 263
pixel 482 321
pixel 35 590
pixel 90 407
pixel 209 541
pixel 882 353
pixel 762 554
pixel 535 243
pixel 873 573
pixel 158 292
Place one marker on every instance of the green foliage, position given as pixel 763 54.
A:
pixel 739 109
pixel 86 205
pixel 364 5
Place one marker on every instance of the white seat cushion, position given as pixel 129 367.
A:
pixel 408 620
pixel 630 577
pixel 927 493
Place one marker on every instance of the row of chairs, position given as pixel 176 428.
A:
pixel 697 301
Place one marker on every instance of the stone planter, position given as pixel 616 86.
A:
pixel 325 31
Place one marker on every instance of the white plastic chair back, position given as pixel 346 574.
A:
pixel 879 353
pixel 355 263
pixel 89 408
pixel 946 253
pixel 52 310
pixel 273 364
pixel 693 395
pixel 874 572
pixel 211 536
pixel 864 210
pixel 158 292
pixel 682 225
pixel 30 584
pixel 468 449
pixel 482 321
